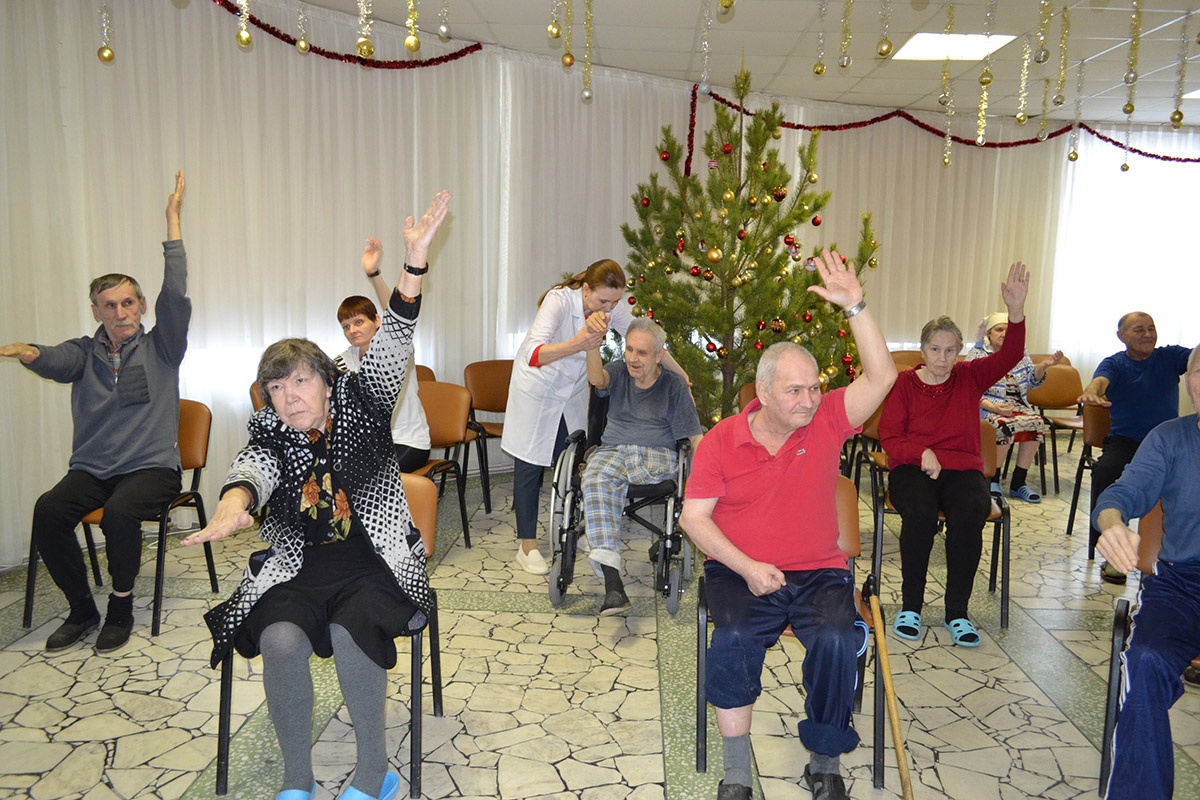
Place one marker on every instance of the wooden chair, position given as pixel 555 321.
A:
pixel 1096 422
pixel 850 542
pixel 256 397
pixel 747 393
pixel 1059 392
pixel 448 410
pixel 422 498
pixel 424 373
pixel 999 517
pixel 487 381
pixel 907 359
pixel 195 422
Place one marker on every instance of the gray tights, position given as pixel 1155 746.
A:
pixel 287 682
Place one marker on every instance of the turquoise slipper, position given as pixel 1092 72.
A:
pixel 964 632
pixel 297 794
pixel 391 785
pixel 907 625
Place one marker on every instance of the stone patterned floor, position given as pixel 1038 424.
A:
pixel 544 702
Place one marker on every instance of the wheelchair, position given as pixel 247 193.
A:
pixel 671 551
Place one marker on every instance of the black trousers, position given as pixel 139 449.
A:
pixel 1118 452
pixel 126 499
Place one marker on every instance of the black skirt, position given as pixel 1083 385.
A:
pixel 343 583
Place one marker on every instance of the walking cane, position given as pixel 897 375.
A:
pixel 888 689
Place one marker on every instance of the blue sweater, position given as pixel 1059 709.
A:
pixel 1143 393
pixel 130 422
pixel 1167 466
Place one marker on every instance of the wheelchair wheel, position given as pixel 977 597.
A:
pixel 557 588
pixel 674 588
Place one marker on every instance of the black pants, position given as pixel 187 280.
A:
pixel 127 500
pixel 962 497
pixel 410 458
pixel 1118 452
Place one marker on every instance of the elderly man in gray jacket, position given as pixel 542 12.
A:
pixel 125 459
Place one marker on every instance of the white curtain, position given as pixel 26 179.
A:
pixel 293 160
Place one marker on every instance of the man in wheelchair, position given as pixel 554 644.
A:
pixel 1166 627
pixel 649 410
pixel 761 504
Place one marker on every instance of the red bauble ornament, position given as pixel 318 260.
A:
pixel 808 316
pixel 641 278
pixel 816 220
pixel 742 233
pixel 847 359
pixel 632 300
pixel 645 202
pixel 665 155
pixel 841 333
pixel 852 372
pixel 758 345
pixel 726 149
pixel 650 313
pixel 765 166
pixel 710 347
pixel 789 240
pixel 681 246
pixel 762 325
pixel 695 271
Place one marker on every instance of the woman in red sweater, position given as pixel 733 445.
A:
pixel 930 431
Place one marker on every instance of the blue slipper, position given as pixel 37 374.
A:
pixel 995 489
pixel 964 632
pixel 907 625
pixel 391 785
pixel 1026 494
pixel 297 794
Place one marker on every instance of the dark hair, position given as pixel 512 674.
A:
pixel 942 324
pixel 604 272
pixel 282 358
pixel 357 305
pixel 112 281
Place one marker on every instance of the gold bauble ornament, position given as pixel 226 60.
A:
pixel 722 213
pixel 728 195
pixel 696 215
pixel 106 55
pixel 715 255
pixel 412 43
pixel 679 233
pixel 1125 167
pixel 797 339
pixel 1127 108
pixel 364 47
pixel 831 370
pixel 752 201
pixel 636 311
pixel 568 59
pixel 945 161
pixel 819 68
pixel 812 178
pixel 884 47
pixel 985 77
pixel 783 273
pixel 1022 118
pixel 823 379
pixel 715 418
pixel 737 281
pixel 1058 100
pixel 777 133
pixel 797 256
pixel 553 30
pixel 1176 118
pixel 1072 156
pixel 302 45
pixel 244 39
pixel 726 4
pixel 872 262
pixel 708 274
pixel 630 283
pixel 668 269
pixel 765 199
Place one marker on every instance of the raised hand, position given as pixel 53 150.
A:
pixel 841 282
pixel 1052 359
pixel 1015 289
pixel 232 515
pixel 418 234
pixel 372 255
pixel 175 208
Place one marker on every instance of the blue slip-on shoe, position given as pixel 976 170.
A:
pixel 1026 494
pixel 297 794
pixel 995 489
pixel 907 625
pixel 964 632
pixel 391 785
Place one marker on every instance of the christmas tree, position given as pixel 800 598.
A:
pixel 721 265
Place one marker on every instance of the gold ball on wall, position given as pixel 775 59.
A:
pixel 302 45
pixel 244 39
pixel 553 30
pixel 1022 118
pixel 819 68
pixel 364 47
pixel 884 47
pixel 1072 156
pixel 568 60
pixel 106 54
pixel 412 43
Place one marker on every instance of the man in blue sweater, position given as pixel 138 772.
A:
pixel 1141 388
pixel 125 456
pixel 1166 627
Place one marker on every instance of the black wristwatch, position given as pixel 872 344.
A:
pixel 411 270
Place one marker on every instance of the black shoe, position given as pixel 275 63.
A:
pixel 1110 574
pixel 615 602
pixel 826 785
pixel 113 636
pixel 1191 675
pixel 69 633
pixel 733 791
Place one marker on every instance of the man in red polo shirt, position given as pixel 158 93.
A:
pixel 760 501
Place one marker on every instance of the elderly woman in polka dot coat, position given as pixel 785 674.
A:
pixel 344 573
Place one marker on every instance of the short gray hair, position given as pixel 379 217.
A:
pixel 942 324
pixel 1192 360
pixel 282 358
pixel 769 363
pixel 111 281
pixel 651 329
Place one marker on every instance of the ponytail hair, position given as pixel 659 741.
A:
pixel 604 272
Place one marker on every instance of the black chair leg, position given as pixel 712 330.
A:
pixel 225 711
pixel 460 480
pixel 484 477
pixel 414 736
pixel 701 670
pixel 435 655
pixel 160 563
pixel 1120 635
pixel 91 548
pixel 30 584
pixel 1083 459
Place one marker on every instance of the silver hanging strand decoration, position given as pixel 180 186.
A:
pixel 1073 139
pixel 364 46
pixel 705 30
pixel 244 39
pixel 302 43
pixel 822 10
pixel 985 77
pixel 1023 86
pixel 1181 73
pixel 444 21
pixel 883 48
pixel 105 52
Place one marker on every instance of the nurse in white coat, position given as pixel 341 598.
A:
pixel 547 395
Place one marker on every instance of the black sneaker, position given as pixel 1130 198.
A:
pixel 69 633
pixel 733 791
pixel 826 785
pixel 615 602
pixel 113 636
pixel 1110 574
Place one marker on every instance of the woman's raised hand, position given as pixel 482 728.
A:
pixel 1014 291
pixel 418 234
pixel 372 255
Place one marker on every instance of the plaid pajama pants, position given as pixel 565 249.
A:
pixel 609 472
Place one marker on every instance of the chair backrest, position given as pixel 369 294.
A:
pixel 447 410
pixel 424 373
pixel 1096 422
pixel 907 359
pixel 487 381
pixel 871 426
pixel 1061 388
pixel 1038 358
pixel 849 535
pixel 1150 531
pixel 422 502
pixel 987 448
pixel 195 422
pixel 747 393
pixel 256 398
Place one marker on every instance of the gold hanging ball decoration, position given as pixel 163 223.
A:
pixel 1022 118
pixel 819 68
pixel 728 194
pixel 777 133
pixel 884 47
pixel 364 47
pixel 765 200
pixel 823 379
pixel 106 55
pixel 752 201
pixel 715 255
pixel 985 77
pixel 553 30
pixel 1127 108
pixel 722 213
pixel 1176 118
pixel 412 43
pixel 244 39
pixel 1125 167
pixel 873 262
pixel 1058 100
pixel 812 177
pixel 945 161
pixel 1072 156
pixel 568 60
pixel 302 45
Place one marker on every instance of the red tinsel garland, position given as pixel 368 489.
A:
pixel 353 58
pixel 904 115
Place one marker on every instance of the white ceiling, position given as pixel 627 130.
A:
pixel 778 39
